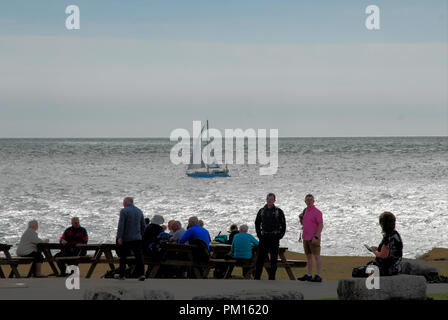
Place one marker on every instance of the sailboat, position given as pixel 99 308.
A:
pixel 210 169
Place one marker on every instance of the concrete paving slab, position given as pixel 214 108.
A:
pixel 182 289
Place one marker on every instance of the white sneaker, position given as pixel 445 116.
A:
pixel 141 278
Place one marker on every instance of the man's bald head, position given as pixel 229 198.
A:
pixel 128 201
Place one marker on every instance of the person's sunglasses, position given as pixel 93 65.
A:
pixel 270 198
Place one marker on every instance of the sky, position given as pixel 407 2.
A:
pixel 145 68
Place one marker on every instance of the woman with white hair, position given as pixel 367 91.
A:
pixel 242 246
pixel 28 247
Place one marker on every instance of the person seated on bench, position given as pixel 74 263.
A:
pixel 233 231
pixel 195 231
pixel 152 230
pixel 388 253
pixel 198 237
pixel 177 231
pixel 72 237
pixel 27 247
pixel 242 246
pixel 170 227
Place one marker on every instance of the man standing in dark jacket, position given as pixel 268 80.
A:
pixel 271 226
pixel 131 227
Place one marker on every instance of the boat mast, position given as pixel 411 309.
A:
pixel 208 140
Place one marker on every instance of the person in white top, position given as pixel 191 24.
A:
pixel 28 247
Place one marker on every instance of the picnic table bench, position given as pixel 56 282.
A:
pixel 95 258
pixel 104 254
pixel 184 258
pixel 13 262
pixel 176 255
pixel 220 249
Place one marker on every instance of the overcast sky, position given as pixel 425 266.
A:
pixel 144 68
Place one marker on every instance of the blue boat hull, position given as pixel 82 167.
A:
pixel 207 175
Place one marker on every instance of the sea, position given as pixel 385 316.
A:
pixel 353 180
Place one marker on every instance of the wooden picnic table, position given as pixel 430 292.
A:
pixel 106 250
pixel 13 262
pixel 183 257
pixel 46 248
pixel 104 253
pixel 182 250
pixel 7 261
pixel 5 249
pixel 219 249
pixel 177 255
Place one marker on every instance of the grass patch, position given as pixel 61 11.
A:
pixel 333 267
pixel 438 296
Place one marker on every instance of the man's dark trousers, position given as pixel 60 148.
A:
pixel 125 250
pixel 266 245
pixel 68 251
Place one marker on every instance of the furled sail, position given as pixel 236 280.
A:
pixel 209 166
pixel 197 149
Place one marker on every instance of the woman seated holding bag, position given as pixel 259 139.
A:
pixel 389 252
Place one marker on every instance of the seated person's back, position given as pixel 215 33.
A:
pixel 233 231
pixel 150 235
pixel 195 231
pixel 243 243
pixel 152 230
